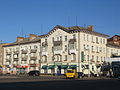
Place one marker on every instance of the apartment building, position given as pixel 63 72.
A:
pixel 114 40
pixel 22 55
pixel 113 46
pixel 73 47
pixel 63 47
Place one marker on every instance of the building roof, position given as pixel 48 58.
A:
pixel 25 41
pixel 72 29
pixel 112 45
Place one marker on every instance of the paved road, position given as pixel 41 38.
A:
pixel 61 84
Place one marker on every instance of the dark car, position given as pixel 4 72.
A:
pixel 34 73
pixel 80 74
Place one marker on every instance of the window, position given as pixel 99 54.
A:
pixel 97 40
pixel 84 37
pixel 84 47
pixel 30 47
pixel 103 50
pixel 92 38
pixel 87 38
pixel 74 36
pixel 100 49
pixel 88 57
pixel 60 38
pixel 101 59
pixel 65 47
pixel 101 40
pixel 65 57
pixel 65 38
pixel 57 38
pixel 35 46
pixel 87 47
pixel 97 58
pixel 97 49
pixel 92 48
pixel 45 40
pixel 57 58
pixel 92 57
pixel 74 57
pixel 53 39
pixel 72 46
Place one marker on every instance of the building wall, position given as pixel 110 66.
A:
pixel 112 50
pixel 61 48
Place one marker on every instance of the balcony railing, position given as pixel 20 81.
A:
pixel 24 51
pixel 24 58
pixel 44 44
pixel 16 59
pixel 57 43
pixel 16 52
pixel 73 60
pixel 43 61
pixel 44 53
pixel 33 58
pixel 33 50
pixel 8 60
pixel 72 41
pixel 58 52
pixel 72 51
pixel 32 65
pixel 9 53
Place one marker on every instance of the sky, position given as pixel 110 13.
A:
pixel 24 17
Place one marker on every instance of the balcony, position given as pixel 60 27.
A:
pixel 33 50
pixel 44 53
pixel 72 41
pixel 24 51
pixel 58 52
pixel 33 58
pixel 8 53
pixel 33 65
pixel 16 59
pixel 16 52
pixel 44 44
pixel 73 60
pixel 24 58
pixel 45 61
pixel 57 43
pixel 8 59
pixel 72 51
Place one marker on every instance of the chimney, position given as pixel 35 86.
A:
pixel 90 28
pixel 20 39
pixel 32 36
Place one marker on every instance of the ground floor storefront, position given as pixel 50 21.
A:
pixel 54 68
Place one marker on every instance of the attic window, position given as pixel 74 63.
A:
pixel 74 36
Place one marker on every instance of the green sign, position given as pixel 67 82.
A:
pixel 82 56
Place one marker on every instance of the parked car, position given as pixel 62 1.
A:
pixel 34 73
pixel 80 74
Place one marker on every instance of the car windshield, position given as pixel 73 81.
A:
pixel 69 71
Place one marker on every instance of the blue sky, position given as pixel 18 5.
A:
pixel 24 17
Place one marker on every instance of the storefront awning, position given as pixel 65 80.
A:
pixel 64 66
pixel 51 67
pixel 73 66
pixel 44 67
